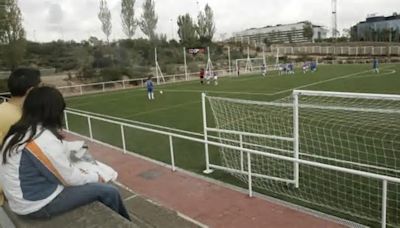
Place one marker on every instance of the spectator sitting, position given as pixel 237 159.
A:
pixel 20 82
pixel 40 180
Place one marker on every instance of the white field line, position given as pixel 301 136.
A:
pixel 324 81
pixel 244 92
pixel 190 91
pixel 209 91
pixel 279 92
pixel 161 109
pixel 377 75
pixel 123 118
pixel 106 93
pixel 128 96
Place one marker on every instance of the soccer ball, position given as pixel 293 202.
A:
pixel 161 92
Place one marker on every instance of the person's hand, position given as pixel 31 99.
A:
pixel 101 179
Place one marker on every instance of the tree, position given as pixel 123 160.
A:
pixel 186 29
pixel 308 31
pixel 210 24
pixel 149 20
pixel 201 27
pixel 105 18
pixel 129 22
pixel 12 34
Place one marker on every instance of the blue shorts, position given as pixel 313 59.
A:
pixel 149 90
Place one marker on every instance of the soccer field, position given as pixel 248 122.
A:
pixel 179 107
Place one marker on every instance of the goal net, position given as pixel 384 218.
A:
pixel 358 132
pixel 250 65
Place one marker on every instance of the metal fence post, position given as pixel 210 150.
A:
pixel 203 102
pixel 250 179
pixel 123 138
pixel 296 137
pixel 171 149
pixel 384 203
pixel 66 120
pixel 90 127
pixel 241 152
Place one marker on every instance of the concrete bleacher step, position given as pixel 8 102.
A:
pixel 144 214
pixel 89 216
pixel 148 214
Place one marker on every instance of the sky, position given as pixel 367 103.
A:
pixel 47 20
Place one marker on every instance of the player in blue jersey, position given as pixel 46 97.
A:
pixel 313 66
pixel 290 68
pixel 150 88
pixel 375 65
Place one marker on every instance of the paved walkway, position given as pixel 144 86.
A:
pixel 206 202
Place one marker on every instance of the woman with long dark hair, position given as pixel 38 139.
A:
pixel 38 179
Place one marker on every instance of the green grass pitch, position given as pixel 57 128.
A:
pixel 179 107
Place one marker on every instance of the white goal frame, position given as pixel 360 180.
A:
pixel 296 160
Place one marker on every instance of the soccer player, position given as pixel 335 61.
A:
pixel 375 65
pixel 215 78
pixel 290 68
pixel 150 88
pixel 208 76
pixel 202 75
pixel 313 66
pixel 305 67
pixel 263 70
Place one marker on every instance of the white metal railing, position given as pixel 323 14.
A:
pixel 295 159
pixel 392 50
pixel 88 88
pixel 138 82
pixel 107 86
pixel 249 152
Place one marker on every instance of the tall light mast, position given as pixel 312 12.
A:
pixel 334 19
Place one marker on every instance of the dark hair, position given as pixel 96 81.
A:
pixel 22 79
pixel 43 106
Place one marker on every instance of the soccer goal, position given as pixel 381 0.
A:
pixel 330 150
pixel 249 65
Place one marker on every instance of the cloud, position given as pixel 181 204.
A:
pixel 77 19
pixel 54 14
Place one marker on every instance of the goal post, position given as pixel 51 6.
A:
pixel 249 65
pixel 356 135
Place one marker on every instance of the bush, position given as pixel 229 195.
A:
pixel 111 74
pixel 138 72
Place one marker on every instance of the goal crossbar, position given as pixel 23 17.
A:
pixel 353 133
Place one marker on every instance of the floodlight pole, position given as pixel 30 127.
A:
pixel 184 56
